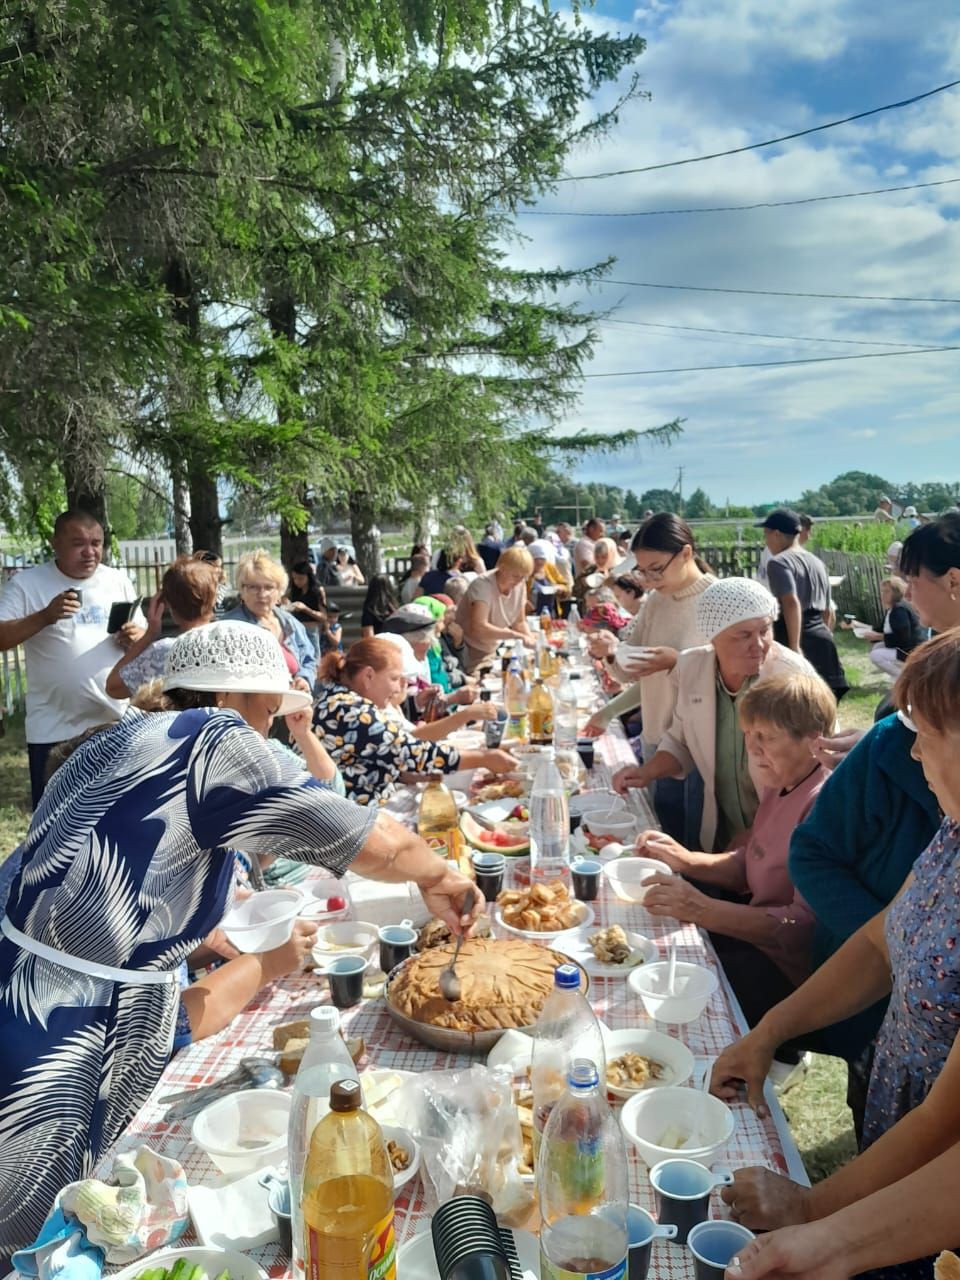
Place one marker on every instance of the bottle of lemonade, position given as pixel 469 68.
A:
pixel 438 821
pixel 540 714
pixel 347 1199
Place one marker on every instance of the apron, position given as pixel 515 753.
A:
pixel 138 977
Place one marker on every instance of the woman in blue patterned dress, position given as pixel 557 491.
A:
pixel 909 952
pixel 126 867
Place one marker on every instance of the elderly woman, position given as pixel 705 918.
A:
pixel 373 750
pixel 763 943
pixel 494 607
pixel 908 952
pixel 546 586
pixel 189 590
pixel 445 670
pixel 898 634
pixel 126 868
pixel 735 615
pixel 262 583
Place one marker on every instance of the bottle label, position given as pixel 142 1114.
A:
pixel 551 1271
pixel 516 726
pixel 541 726
pixel 382 1263
pixel 449 844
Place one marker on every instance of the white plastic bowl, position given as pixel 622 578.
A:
pixel 650 1117
pixel 628 876
pixel 617 824
pixel 211 1260
pixel 345 938
pixel 405 1139
pixel 694 986
pixel 593 801
pixel 264 920
pixel 244 1131
pixel 586 917
pixel 673 1056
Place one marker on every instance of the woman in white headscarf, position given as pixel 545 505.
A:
pixel 736 616
pixel 546 585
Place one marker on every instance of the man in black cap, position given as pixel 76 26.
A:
pixel 800 583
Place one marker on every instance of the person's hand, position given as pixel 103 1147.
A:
pixel 659 658
pixel 498 760
pixel 602 645
pixel 468 695
pixel 298 606
pixel 743 1063
pixel 673 896
pixel 128 635
pixel 810 1252
pixel 423 696
pixel 298 682
pixel 593 728
pixel 657 844
pixel 763 1200
pixel 299 723
pixel 65 605
pixel 294 953
pixel 630 776
pixel 155 615
pixel 485 711
pixel 218 942
pixel 830 750
pixel 444 892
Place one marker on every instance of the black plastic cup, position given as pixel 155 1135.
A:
pixel 713 1244
pixel 683 1190
pixel 486 695
pixel 642 1231
pixel 493 730
pixel 586 750
pixel 586 879
pixel 466 1241
pixel 488 871
pixel 396 945
pixel 345 975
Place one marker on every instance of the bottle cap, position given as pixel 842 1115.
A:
pixel 583 1074
pixel 345 1095
pixel 567 977
pixel 325 1020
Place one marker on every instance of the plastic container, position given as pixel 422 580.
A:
pixel 582 1183
pixel 567 1027
pixel 693 987
pixel 244 1131
pixel 565 715
pixel 263 921
pixel 540 714
pixel 438 819
pixel 628 876
pixel 617 824
pixel 659 1117
pixel 325 1061
pixel 549 824
pixel 347 1196
pixel 515 701
pixel 573 628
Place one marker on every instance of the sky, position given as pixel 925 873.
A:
pixel 724 74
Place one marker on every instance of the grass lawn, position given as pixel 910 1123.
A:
pixel 816 1109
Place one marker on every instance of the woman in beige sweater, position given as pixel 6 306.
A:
pixel 666 562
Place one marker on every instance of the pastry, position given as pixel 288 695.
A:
pixel 503 984
pixel 546 907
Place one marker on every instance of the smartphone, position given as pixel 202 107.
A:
pixel 121 611
pixel 849 617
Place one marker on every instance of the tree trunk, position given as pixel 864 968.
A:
pixel 181 507
pixel 205 523
pixel 294 543
pixel 365 535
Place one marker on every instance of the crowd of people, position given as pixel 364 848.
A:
pixel 242 739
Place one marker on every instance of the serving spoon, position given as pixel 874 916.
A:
pixel 251 1073
pixel 448 981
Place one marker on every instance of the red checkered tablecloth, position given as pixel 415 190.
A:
pixel 761 1143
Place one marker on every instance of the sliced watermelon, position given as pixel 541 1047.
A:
pixel 500 841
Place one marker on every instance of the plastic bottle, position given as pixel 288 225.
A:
pixel 347 1198
pixel 549 823
pixel 582 1182
pixel 565 715
pixel 515 701
pixel 325 1060
pixel 573 628
pixel 566 1029
pixel 540 714
pixel 438 821
pixel 546 620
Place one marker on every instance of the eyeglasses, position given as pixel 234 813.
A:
pixel 655 575
pixel 259 588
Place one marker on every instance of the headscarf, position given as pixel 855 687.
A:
pixel 541 549
pixel 732 600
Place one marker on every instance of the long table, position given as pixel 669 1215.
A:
pixel 754 1142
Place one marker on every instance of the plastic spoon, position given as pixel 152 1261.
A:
pixel 672 971
pixel 700 1107
pixel 448 981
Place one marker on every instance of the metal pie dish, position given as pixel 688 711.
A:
pixel 447 1039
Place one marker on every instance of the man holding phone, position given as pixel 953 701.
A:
pixel 59 612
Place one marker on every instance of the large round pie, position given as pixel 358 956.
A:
pixel 503 983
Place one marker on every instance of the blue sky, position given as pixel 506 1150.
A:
pixel 722 74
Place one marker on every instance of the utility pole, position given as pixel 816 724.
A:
pixel 679 488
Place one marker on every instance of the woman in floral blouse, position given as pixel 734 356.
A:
pixel 373 751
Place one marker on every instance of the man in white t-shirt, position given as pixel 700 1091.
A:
pixel 59 612
pixel 583 551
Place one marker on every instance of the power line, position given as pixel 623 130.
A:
pixel 773 293
pixel 770 142
pixel 771 364
pixel 727 208
pixel 749 333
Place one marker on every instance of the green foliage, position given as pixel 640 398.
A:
pixel 698 506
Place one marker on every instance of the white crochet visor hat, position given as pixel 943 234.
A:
pixel 732 600
pixel 232 657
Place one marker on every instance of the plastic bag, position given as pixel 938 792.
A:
pixel 469 1133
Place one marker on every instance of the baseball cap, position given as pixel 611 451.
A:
pixel 782 519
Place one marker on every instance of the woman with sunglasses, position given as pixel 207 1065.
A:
pixel 665 560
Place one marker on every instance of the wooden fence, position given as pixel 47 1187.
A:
pixel 859 592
